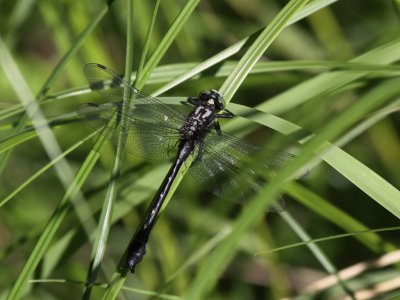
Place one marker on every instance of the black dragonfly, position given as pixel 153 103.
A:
pixel 155 130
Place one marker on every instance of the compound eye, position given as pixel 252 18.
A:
pixel 220 104
pixel 216 94
pixel 204 95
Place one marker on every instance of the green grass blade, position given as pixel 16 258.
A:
pixel 333 237
pixel 337 217
pixel 44 132
pixel 16 139
pixel 71 52
pixel 10 111
pixel 115 286
pixel 351 99
pixel 33 111
pixel 146 45
pixel 316 250
pixel 325 83
pixel 119 276
pixel 367 180
pixel 129 41
pixel 54 223
pixel 360 175
pixel 253 54
pixel 207 275
pixel 312 200
pixel 44 168
pixel 19 15
pixel 110 197
pixel 167 41
pixel 13 141
pixel 311 8
pixel 235 48
pixel 201 252
pixel 56 73
pixel 169 73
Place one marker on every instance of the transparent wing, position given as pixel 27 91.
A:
pixel 226 167
pixel 151 126
pixel 147 140
pixel 146 107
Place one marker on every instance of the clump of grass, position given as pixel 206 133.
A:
pixel 311 72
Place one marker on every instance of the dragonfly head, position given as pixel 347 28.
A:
pixel 213 99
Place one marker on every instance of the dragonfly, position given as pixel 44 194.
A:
pixel 221 162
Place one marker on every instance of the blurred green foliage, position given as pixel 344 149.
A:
pixel 337 37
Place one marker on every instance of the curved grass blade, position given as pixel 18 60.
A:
pixel 326 83
pixel 44 132
pixel 337 236
pixel 206 277
pixel 169 37
pixel 337 217
pixel 56 72
pixel 25 95
pixel 102 285
pixel 146 45
pixel 228 52
pixel 366 179
pixel 316 250
pixel 118 277
pixel 54 222
pixel 13 141
pixel 44 168
pixel 260 45
pixel 31 132
pixel 105 220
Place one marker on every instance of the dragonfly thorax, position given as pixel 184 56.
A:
pixel 198 123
